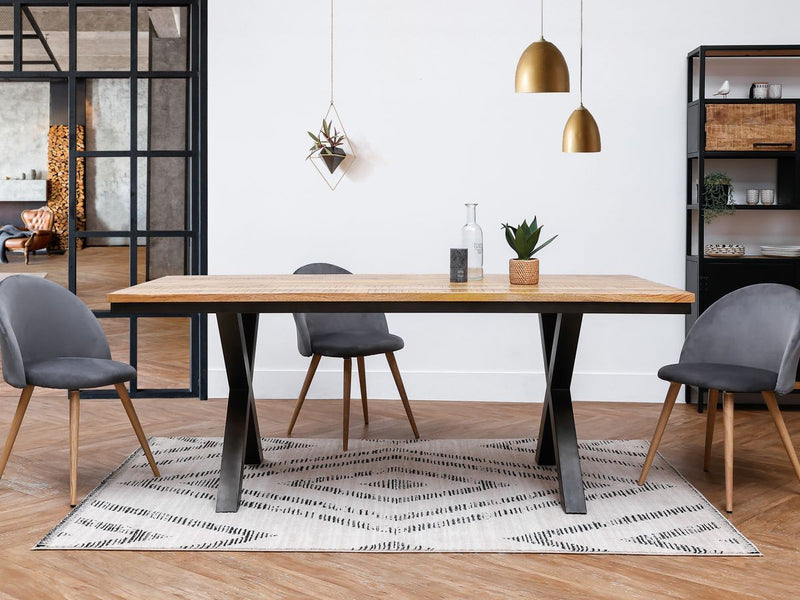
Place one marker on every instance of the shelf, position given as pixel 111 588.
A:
pixel 694 206
pixel 743 154
pixel 766 207
pixel 730 51
pixel 23 190
pixel 746 258
pixel 746 101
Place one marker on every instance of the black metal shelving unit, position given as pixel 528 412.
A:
pixel 711 278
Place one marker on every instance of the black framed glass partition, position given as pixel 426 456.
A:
pixel 120 162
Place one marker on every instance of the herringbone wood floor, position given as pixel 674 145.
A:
pixel 34 496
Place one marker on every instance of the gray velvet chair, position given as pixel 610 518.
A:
pixel 747 341
pixel 49 338
pixel 346 335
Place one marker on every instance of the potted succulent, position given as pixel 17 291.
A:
pixel 717 196
pixel 327 146
pixel 524 270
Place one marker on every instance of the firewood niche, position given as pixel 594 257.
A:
pixel 58 184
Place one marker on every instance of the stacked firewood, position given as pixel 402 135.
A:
pixel 58 184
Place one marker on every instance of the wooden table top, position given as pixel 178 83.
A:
pixel 396 288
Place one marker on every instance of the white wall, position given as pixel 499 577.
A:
pixel 425 89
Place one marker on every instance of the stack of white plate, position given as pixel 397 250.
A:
pixel 780 250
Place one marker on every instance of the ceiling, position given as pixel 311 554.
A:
pixel 103 36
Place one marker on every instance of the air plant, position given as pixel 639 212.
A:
pixel 325 142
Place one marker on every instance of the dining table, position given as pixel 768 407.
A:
pixel 560 301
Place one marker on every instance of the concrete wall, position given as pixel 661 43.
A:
pixel 167 196
pixel 108 179
pixel 24 122
pixel 426 90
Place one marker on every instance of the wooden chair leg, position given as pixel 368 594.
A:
pixel 362 380
pixel 348 371
pixel 312 368
pixel 74 420
pixel 713 398
pixel 772 405
pixel 25 251
pixel 22 405
pixel 137 426
pixel 669 402
pixel 727 420
pixel 398 381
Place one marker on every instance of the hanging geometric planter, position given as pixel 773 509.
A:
pixel 331 152
pixel 332 161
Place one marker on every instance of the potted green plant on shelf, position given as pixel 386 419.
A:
pixel 327 145
pixel 524 270
pixel 717 196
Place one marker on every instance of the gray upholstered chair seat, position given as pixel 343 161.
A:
pixel 747 341
pixel 347 336
pixel 77 373
pixel 50 338
pixel 363 342
pixel 731 378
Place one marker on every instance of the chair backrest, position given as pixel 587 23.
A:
pixel 312 324
pixel 40 219
pixel 755 326
pixel 40 320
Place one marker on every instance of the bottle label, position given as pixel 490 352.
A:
pixel 479 247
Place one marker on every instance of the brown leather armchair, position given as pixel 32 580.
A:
pixel 40 222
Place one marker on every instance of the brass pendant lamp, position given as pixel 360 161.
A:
pixel 581 133
pixel 542 67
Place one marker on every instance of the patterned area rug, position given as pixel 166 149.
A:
pixel 397 496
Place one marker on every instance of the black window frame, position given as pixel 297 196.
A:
pixel 195 152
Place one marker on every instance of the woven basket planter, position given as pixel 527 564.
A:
pixel 523 272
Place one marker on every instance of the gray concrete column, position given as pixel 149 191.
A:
pixel 167 202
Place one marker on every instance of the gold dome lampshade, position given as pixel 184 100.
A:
pixel 542 68
pixel 581 133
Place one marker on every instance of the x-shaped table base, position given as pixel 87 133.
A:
pixel 558 443
pixel 242 441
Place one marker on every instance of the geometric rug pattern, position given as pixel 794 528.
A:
pixel 397 496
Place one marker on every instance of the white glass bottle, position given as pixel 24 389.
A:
pixel 472 240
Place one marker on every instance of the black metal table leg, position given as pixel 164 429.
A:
pixel 238 336
pixel 545 451
pixel 253 454
pixel 558 441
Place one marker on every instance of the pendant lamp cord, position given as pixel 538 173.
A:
pixel 331 51
pixel 581 79
pixel 541 19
